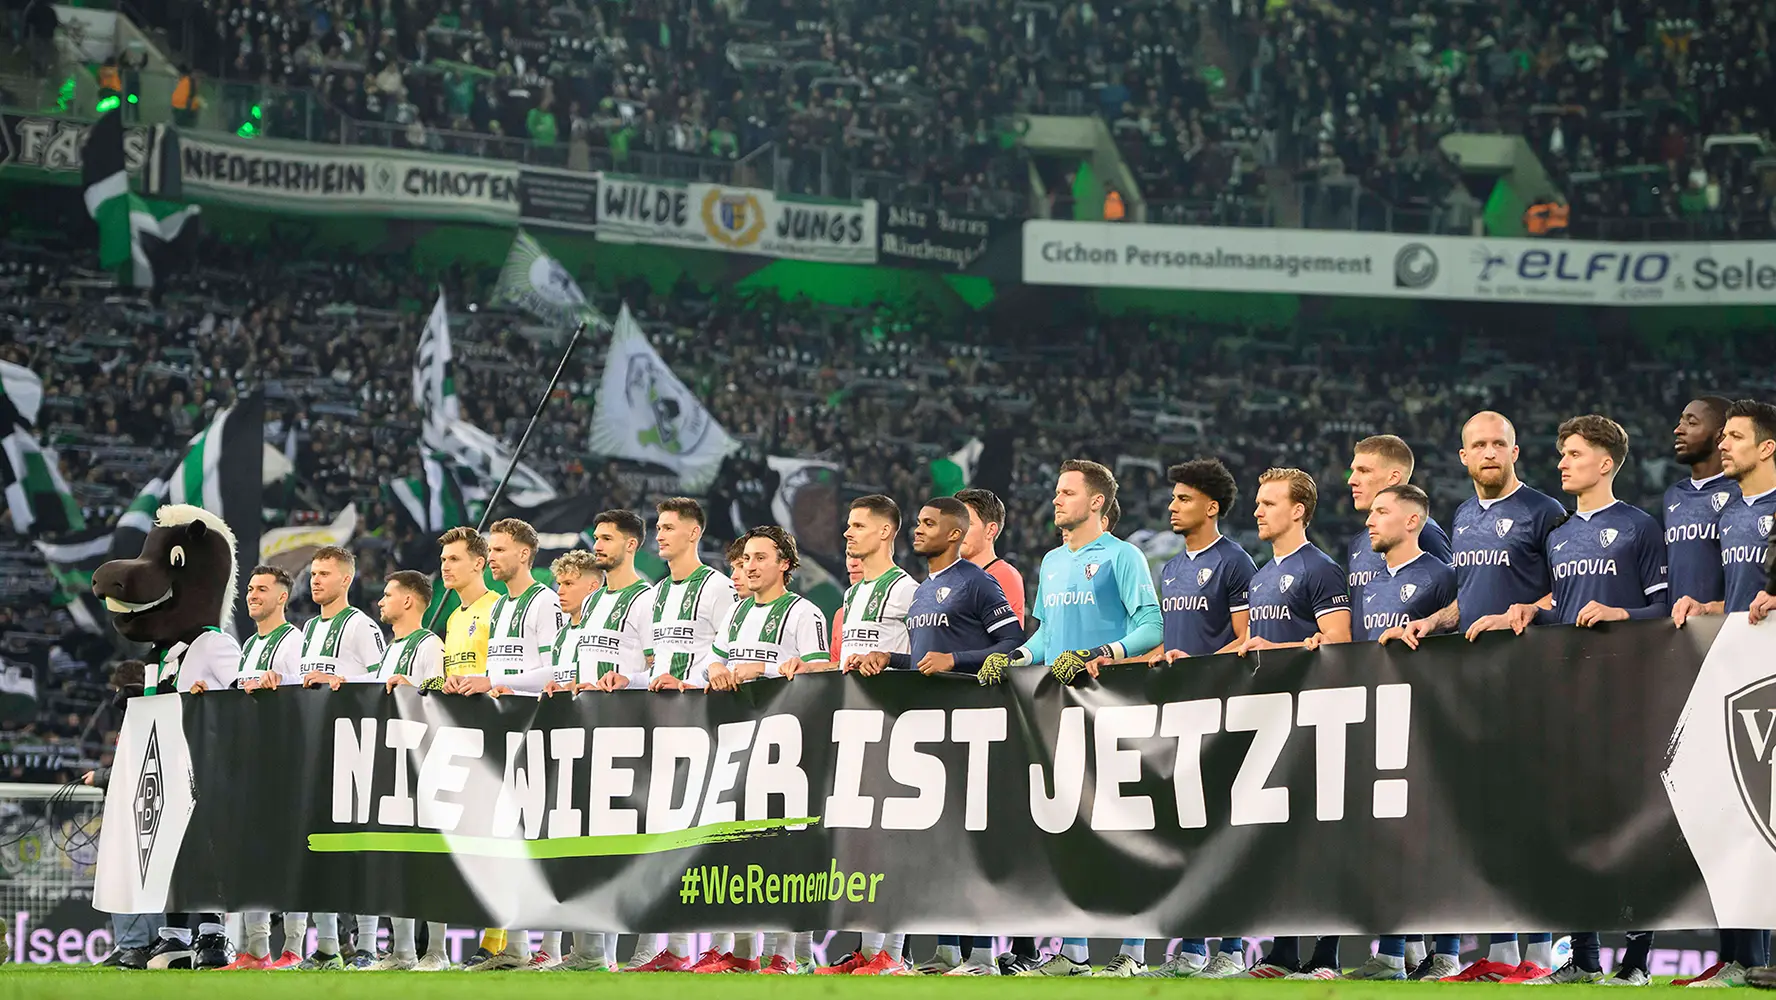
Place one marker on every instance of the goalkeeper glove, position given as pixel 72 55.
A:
pixel 1067 664
pixel 992 669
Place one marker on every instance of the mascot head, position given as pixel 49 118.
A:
pixel 182 583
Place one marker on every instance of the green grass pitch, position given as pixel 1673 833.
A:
pixel 86 983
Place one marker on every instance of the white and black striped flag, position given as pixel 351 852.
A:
pixel 138 238
pixel 36 493
pixel 222 471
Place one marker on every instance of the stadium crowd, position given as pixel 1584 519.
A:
pixel 1650 117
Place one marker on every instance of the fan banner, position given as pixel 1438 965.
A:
pixel 1608 778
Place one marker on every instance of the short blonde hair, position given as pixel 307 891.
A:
pixel 575 561
pixel 1301 489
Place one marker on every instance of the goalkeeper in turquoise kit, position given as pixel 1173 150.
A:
pixel 1096 603
pixel 1095 596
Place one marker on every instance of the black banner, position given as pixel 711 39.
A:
pixel 937 238
pixel 1517 782
pixel 558 199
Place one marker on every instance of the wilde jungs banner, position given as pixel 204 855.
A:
pixel 735 219
pixel 1570 779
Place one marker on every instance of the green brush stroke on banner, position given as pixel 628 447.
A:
pixel 612 846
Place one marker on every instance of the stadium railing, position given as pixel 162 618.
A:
pixel 49 843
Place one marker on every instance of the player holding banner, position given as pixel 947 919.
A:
pixel 415 658
pixel 874 614
pixel 1204 600
pixel 276 648
pixel 1096 602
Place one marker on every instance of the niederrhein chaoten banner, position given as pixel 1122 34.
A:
pixel 1600 778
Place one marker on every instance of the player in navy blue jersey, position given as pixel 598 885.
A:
pixel 959 615
pixel 1203 590
pixel 1203 602
pixel 1300 592
pixel 1693 504
pixel 1413 583
pixel 1746 455
pixel 1376 463
pixel 1500 561
pixel 1609 565
pixel 1499 554
pixel 1297 596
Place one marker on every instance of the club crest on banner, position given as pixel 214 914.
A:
pixel 1503 526
pixel 1751 732
pixel 1606 536
pixel 1202 575
pixel 150 801
pixel 733 218
pixel 552 283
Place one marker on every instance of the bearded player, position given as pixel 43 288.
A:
pixel 1097 604
pixel 1609 565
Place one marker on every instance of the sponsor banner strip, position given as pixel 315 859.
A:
pixel 1183 800
pixel 1311 262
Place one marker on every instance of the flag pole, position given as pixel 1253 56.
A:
pixel 518 453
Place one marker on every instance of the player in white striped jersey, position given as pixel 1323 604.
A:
pixel 688 605
pixel 417 654
pixel 523 622
pixel 875 625
pixel 576 578
pixel 520 628
pixel 876 608
pixel 276 646
pixel 341 644
pixel 760 637
pixel 616 626
pixel 414 658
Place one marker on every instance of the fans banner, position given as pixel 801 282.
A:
pixel 937 238
pixel 336 180
pixel 1607 778
pixel 735 220
pixel 1307 262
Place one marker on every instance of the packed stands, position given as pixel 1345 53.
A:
pixel 1651 118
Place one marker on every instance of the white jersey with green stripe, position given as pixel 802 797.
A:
pixel 520 631
pixel 790 627
pixel 613 634
pixel 212 658
pixel 875 614
pixel 279 650
pixel 347 645
pixel 685 616
pixel 417 656
pixel 564 651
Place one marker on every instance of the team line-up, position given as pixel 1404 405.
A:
pixel 1517 558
